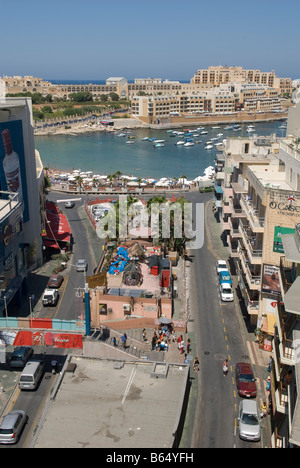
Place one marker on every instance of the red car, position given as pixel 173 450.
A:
pixel 245 380
pixel 55 281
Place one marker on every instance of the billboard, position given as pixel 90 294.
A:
pixel 278 231
pixel 270 280
pixel 12 162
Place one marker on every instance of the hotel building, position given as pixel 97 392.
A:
pixel 217 75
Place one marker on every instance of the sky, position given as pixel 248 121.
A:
pixel 168 39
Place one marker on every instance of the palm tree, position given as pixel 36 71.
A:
pixel 79 181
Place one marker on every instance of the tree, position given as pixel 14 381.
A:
pixel 114 96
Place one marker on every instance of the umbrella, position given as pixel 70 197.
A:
pixel 164 320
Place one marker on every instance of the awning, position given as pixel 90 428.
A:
pixel 291 298
pixel 218 189
pixel 51 244
pixel 291 250
pixel 295 430
pixel 57 228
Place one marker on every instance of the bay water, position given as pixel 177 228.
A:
pixel 105 153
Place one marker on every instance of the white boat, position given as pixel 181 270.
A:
pixel 180 143
pixel 220 134
pixel 249 130
pixel 180 133
pixel 208 147
pixel 228 127
pixel 159 145
pixel 200 128
pixel 218 144
pixel 204 132
pixel 121 134
pixel 159 141
pixel 145 139
pixel 189 143
pixel 215 127
pixel 129 142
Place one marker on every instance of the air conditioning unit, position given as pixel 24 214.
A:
pixel 126 307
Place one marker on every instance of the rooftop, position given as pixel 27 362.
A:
pixel 115 404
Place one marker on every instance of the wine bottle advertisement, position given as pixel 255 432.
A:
pixel 12 162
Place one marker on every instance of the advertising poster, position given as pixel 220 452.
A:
pixel 12 162
pixel 270 280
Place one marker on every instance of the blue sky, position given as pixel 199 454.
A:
pixel 95 39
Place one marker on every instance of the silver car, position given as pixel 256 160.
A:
pixel 12 426
pixel 249 421
pixel 81 265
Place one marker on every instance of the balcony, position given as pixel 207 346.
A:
pixel 236 209
pixel 253 279
pixel 234 228
pixel 257 222
pixel 254 254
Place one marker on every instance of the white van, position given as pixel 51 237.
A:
pixel 31 375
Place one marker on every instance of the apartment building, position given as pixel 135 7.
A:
pixel 285 383
pixel 258 195
pixel 217 75
pixel 21 179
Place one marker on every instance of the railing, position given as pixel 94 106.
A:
pixel 294 152
pixel 258 222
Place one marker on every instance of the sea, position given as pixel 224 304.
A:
pixel 105 153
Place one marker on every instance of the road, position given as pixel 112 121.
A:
pixel 216 327
pixel 70 305
pixel 32 402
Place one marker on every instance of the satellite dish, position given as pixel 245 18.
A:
pixel 254 151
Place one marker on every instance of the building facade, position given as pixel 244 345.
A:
pixel 21 177
pixel 217 75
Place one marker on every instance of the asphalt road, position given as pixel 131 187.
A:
pixel 216 327
pixel 218 337
pixel 70 305
pixel 32 402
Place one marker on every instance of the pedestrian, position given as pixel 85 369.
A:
pixel 173 336
pixel 264 409
pixel 268 387
pixel 270 364
pixel 114 341
pixel 188 346
pixel 179 340
pixel 196 364
pixel 181 347
pixel 144 335
pixel 186 361
pixel 225 367
pixel 124 339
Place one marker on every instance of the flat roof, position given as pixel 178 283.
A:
pixel 115 404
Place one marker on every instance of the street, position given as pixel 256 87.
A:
pixel 215 325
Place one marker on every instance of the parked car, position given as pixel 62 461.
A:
pixel 249 421
pixel 20 356
pixel 245 380
pixel 12 426
pixel 206 189
pixel 81 265
pixel 226 292
pixel 31 375
pixel 55 281
pixel 69 204
pixel 50 297
pixel 225 277
pixel 221 266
